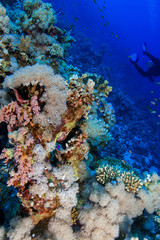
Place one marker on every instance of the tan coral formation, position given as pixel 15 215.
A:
pixel 114 208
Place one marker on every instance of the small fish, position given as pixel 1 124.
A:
pixel 60 12
pixel 117 36
pixel 158 83
pixel 152 91
pixel 112 34
pixel 127 49
pixel 76 19
pixel 103 6
pixel 95 1
pixel 124 65
pixel 102 16
pixel 159 115
pixel 156 99
pixel 124 161
pixel 130 152
pixel 71 26
pixel 86 28
pixel 101 10
pixel 153 103
pixel 59 147
pixel 149 108
pixel 105 24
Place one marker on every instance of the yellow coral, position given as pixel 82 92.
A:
pixel 24 44
pixel 104 88
pixel 101 84
pixel 74 215
pixel 108 173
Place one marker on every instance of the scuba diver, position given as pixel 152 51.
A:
pixel 153 70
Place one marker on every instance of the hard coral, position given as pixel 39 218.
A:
pixel 108 173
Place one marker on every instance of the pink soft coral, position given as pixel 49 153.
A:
pixel 16 115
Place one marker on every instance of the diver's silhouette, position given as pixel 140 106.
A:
pixel 153 71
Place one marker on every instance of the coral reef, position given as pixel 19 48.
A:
pixel 29 36
pixel 37 89
pixel 58 123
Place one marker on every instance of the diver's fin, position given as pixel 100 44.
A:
pixel 134 58
pixel 144 48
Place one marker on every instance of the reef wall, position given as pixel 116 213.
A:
pixel 54 183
